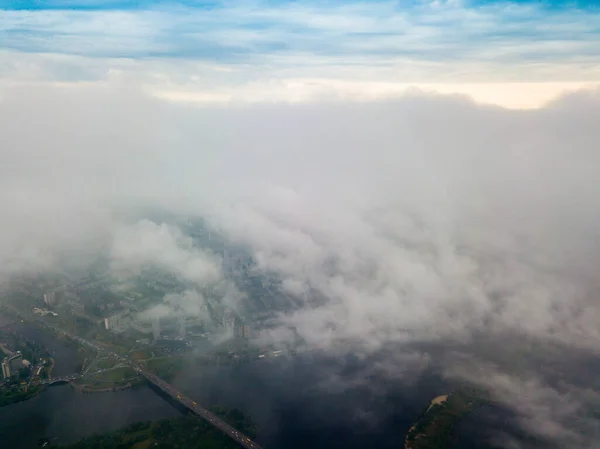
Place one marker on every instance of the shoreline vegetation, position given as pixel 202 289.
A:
pixel 185 432
pixel 116 379
pixel 86 389
pixel 10 397
pixel 27 378
pixel 434 428
pixel 109 381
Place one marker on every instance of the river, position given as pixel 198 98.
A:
pixel 62 413
pixel 286 397
pixel 299 402
pixel 310 402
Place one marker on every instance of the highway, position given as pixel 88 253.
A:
pixel 230 431
pixel 238 437
pixel 72 377
pixel 204 413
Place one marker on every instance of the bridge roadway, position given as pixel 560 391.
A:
pixel 213 419
pixel 207 415
pixel 54 380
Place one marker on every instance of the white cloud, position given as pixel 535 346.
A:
pixel 149 244
pixel 427 220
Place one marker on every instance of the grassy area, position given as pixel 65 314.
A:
pixel 113 375
pixel 168 367
pixel 142 354
pixel 114 378
pixel 110 343
pixel 85 356
pixel 105 362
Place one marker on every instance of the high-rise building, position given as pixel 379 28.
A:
pixel 156 328
pixel 50 299
pixel 181 326
pixel 15 362
pixel 226 262
pixel 116 323
pixel 246 331
pixel 141 326
pixel 241 330
pixel 5 369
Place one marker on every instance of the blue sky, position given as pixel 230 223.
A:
pixel 140 4
pixel 262 41
pixel 245 31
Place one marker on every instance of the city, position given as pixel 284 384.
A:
pixel 122 342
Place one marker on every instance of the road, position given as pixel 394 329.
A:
pixel 204 413
pixel 211 418
pixel 71 377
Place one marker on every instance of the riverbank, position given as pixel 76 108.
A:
pixel 87 389
pixel 63 415
pixel 116 379
pixel 187 432
pixel 12 397
pixel 436 425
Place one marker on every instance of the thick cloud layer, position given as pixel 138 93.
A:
pixel 423 221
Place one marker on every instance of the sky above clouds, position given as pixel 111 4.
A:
pixel 518 54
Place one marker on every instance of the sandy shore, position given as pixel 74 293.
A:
pixel 438 400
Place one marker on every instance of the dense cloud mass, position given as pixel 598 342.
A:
pixel 451 233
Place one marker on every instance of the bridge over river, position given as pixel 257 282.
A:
pixel 210 417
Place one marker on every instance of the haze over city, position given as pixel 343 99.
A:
pixel 418 181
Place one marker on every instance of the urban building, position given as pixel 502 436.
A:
pixel 116 323
pixel 181 327
pixel 43 312
pixel 76 307
pixel 242 331
pixel 229 324
pixel 245 332
pixel 156 328
pixel 141 327
pixel 6 369
pixel 16 362
pixel 50 299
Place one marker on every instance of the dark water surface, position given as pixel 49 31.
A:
pixel 297 403
pixel 64 414
pixel 300 403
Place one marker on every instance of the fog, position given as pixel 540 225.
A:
pixel 440 232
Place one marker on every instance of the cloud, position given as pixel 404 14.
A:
pixel 426 222
pixel 166 248
pixel 553 401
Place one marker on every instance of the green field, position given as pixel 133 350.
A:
pixel 105 362
pixel 168 367
pixel 118 377
pixel 114 375
pixel 141 354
